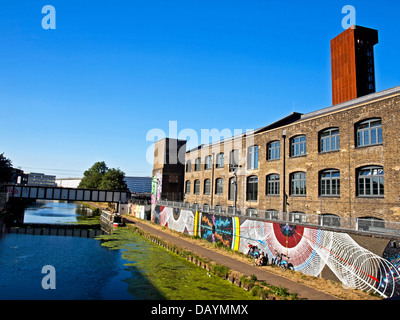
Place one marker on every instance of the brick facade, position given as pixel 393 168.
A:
pixel 348 159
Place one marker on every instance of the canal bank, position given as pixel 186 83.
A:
pixel 306 287
pixel 123 265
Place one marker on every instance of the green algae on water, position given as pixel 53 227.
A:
pixel 174 277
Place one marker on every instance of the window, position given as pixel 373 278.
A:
pixel 330 183
pixel 272 214
pixel 298 184
pixel 219 183
pixel 197 187
pixel 197 164
pixel 251 212
pixel 188 166
pixel 232 188
pixel 187 186
pixel 272 187
pixel 208 163
pixel 207 186
pixel 252 157
pixel 274 150
pixel 369 132
pixel 371 182
pixel 329 140
pixel 298 146
pixel 330 220
pixel 220 160
pixel 234 157
pixel 252 188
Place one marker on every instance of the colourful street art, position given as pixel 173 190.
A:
pixel 309 250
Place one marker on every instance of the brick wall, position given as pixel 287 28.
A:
pixel 348 159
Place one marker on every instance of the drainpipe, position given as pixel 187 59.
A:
pixel 284 172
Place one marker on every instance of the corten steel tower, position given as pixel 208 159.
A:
pixel 353 70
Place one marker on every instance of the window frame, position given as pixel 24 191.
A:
pixel 361 133
pixel 252 193
pixel 207 187
pixel 219 186
pixel 208 162
pixel 197 184
pixel 369 179
pixel 323 186
pixel 302 145
pixel 187 186
pixel 234 157
pixel 272 185
pixel 330 138
pixel 220 163
pixel 252 157
pixel 273 150
pixel 301 181
pixel 188 166
pixel 197 164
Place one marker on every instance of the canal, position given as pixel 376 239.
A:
pixel 123 265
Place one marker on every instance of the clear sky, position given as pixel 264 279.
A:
pixel 113 71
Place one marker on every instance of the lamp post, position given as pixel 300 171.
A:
pixel 234 169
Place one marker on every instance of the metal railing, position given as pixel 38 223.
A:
pixel 333 222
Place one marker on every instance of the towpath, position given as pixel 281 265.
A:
pixel 303 291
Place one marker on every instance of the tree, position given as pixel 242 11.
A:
pixel 5 169
pixel 113 179
pixel 99 176
pixel 93 176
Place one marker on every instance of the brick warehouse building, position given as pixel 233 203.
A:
pixel 341 161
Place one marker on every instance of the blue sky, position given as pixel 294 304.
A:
pixel 112 71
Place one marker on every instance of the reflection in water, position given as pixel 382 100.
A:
pixel 122 265
pixel 54 212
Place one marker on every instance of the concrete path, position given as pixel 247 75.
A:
pixel 304 292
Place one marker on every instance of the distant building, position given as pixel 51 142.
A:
pixel 169 169
pixel 68 182
pixel 41 179
pixel 138 184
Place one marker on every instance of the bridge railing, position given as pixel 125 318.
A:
pixel 331 222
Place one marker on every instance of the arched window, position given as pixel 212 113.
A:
pixel 252 188
pixel 232 188
pixel 329 183
pixel 187 187
pixel 197 187
pixel 369 132
pixel 272 185
pixel 207 186
pixel 274 150
pixel 329 140
pixel 189 166
pixel 298 184
pixel 252 157
pixel 298 146
pixel 208 163
pixel 219 186
pixel 197 164
pixel 371 182
pixel 220 160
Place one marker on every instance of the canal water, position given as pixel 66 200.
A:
pixel 123 265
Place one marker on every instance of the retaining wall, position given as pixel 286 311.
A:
pixel 367 263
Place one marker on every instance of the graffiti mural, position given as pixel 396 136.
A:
pixel 309 250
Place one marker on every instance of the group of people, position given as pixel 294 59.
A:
pixel 260 259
